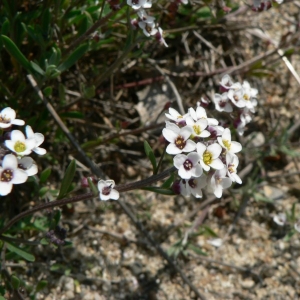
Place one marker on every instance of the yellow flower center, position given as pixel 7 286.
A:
pixel 19 146
pixel 246 97
pixel 207 157
pixel 4 120
pixel 197 129
pixel 227 144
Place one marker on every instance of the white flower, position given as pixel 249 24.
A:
pixel 8 118
pixel 225 142
pixel 39 139
pixel 280 219
pixel 148 28
pixel 144 16
pixel 232 162
pixel 222 102
pixel 188 165
pixel 160 37
pixel 193 186
pixel 226 82
pixel 137 4
pixel 209 156
pixel 198 127
pixel 178 138
pixel 200 113
pixel 175 115
pixel 27 164
pixel 10 174
pixel 249 95
pixel 219 182
pixel 107 191
pixel 235 94
pixel 19 144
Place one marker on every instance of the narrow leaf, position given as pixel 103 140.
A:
pixel 15 281
pixel 73 58
pixel 41 285
pixel 150 155
pixel 67 180
pixel 45 175
pixel 37 68
pixel 13 248
pixel 167 184
pixel 196 250
pixel 159 190
pixel 93 187
pixel 14 51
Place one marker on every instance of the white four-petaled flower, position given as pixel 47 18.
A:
pixel 107 191
pixel 188 165
pixel 226 143
pixel 10 174
pixel 8 118
pixel 39 139
pixel 19 144
pixel 209 156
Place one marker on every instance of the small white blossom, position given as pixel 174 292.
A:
pixel 107 191
pixel 235 94
pixel 226 82
pixel 217 242
pixel 209 156
pixel 27 164
pixel 219 182
pixel 222 102
pixel 226 143
pixel 188 165
pixel 39 139
pixel 178 138
pixel 19 144
pixel 160 37
pixel 148 28
pixel 8 118
pixel 198 127
pixel 137 4
pixel 280 219
pixel 10 174
pixel 144 16
pixel 249 95
pixel 175 115
pixel 193 186
pixel 200 113
pixel 232 163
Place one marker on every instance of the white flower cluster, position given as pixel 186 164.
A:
pixel 146 22
pixel 238 99
pixel 17 166
pixel 205 156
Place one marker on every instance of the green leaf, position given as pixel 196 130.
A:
pixel 15 281
pixel 67 180
pixel 196 250
pixel 47 91
pixel 159 190
pixel 73 58
pixel 14 51
pixel 93 187
pixel 45 175
pixel 44 241
pixel 41 285
pixel 43 191
pixel 150 155
pixel 37 68
pixel 167 184
pixel 209 231
pixel 13 248
pixel 57 217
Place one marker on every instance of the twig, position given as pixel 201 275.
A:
pixel 171 84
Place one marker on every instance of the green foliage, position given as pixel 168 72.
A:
pixel 67 180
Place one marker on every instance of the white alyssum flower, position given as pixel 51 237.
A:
pixel 249 96
pixel 193 186
pixel 209 156
pixel 188 165
pixel 226 82
pixel 8 118
pixel 219 182
pixel 107 191
pixel 198 127
pixel 226 143
pixel 178 138
pixel 19 144
pixel 235 94
pixel 232 163
pixel 280 219
pixel 174 115
pixel 222 102
pixel 144 16
pixel 27 164
pixel 148 28
pixel 200 113
pixel 216 242
pixel 10 174
pixel 137 4
pixel 160 37
pixel 39 139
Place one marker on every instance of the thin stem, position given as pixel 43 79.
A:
pixel 120 188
